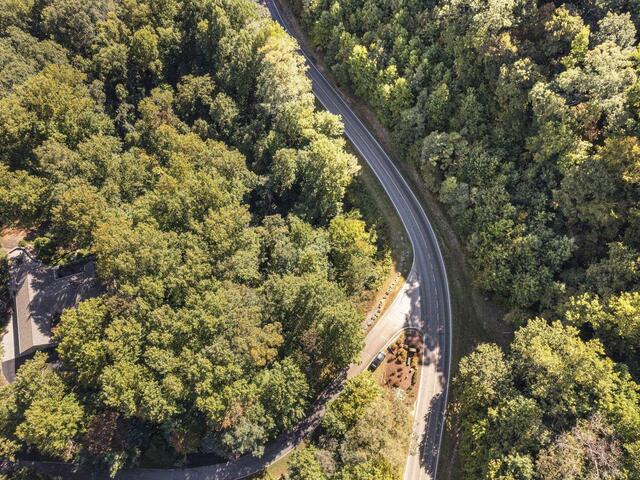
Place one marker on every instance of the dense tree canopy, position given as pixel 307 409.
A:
pixel 177 142
pixel 554 407
pixel 365 436
pixel 519 116
pixel 522 117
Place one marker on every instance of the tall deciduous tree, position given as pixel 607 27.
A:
pixel 352 251
pixel 305 466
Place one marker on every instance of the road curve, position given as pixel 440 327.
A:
pixel 427 285
pixel 423 303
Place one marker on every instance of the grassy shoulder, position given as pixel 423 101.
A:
pixel 280 468
pixel 395 252
pixel 475 318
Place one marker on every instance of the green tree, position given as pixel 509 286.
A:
pixel 284 169
pixel 616 319
pixel 246 433
pixel 326 171
pixel 484 376
pixel 231 243
pixel 73 23
pixel 15 13
pixel 52 424
pixel 45 414
pixel 297 301
pixel 305 466
pixel 379 469
pixel 144 55
pixel 352 251
pixel 362 71
pixel 55 104
pixel 571 376
pixel 76 213
pixel 194 97
pixel 617 27
pixel 293 246
pixel 513 466
pixel 617 272
pixel 556 380
pixel 285 393
pixel 384 427
pixel 22 196
pixel 79 336
pixel 350 405
pixel 341 335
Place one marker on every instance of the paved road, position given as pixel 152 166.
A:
pixel 422 303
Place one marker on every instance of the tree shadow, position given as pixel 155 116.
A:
pixel 427 447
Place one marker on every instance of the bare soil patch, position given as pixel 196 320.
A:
pixel 10 237
pixel 401 366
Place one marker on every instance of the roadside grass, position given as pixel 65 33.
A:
pixel 367 195
pixel 280 468
pixel 476 318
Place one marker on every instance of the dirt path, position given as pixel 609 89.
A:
pixel 10 238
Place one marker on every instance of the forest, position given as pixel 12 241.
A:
pixel 522 117
pixel 179 144
pixel 364 436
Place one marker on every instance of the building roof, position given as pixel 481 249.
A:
pixel 41 293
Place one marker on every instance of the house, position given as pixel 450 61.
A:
pixel 39 295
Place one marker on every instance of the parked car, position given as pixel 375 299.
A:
pixel 376 362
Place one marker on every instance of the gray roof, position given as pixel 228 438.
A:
pixel 41 294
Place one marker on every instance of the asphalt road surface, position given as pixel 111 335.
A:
pixel 423 303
